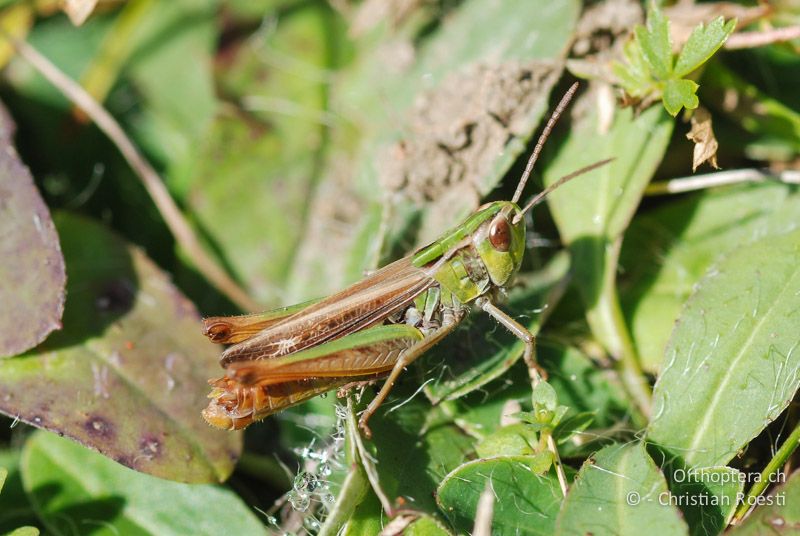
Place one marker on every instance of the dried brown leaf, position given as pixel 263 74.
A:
pixel 705 143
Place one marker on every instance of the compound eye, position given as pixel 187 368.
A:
pixel 500 234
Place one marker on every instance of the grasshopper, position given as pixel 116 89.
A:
pixel 378 326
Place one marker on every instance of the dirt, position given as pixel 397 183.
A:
pixel 455 133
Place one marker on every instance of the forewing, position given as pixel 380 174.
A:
pixel 234 406
pixel 249 393
pixel 365 303
pixel 234 329
pixel 368 352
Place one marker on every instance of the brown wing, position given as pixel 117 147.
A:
pixel 251 392
pixel 234 406
pixel 369 301
pixel 366 360
pixel 234 329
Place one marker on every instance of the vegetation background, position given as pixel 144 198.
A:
pixel 295 144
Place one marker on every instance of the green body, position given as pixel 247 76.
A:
pixel 477 265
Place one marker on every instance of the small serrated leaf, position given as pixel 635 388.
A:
pixel 655 43
pixel 702 44
pixel 679 94
pixel 633 75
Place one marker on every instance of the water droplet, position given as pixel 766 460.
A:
pixel 305 482
pixel 299 501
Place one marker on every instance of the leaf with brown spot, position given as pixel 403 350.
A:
pixel 705 143
pixel 127 374
pixel 32 275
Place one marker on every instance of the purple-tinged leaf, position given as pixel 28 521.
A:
pixel 127 374
pixel 32 276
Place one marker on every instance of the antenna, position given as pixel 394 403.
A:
pixel 566 178
pixel 543 138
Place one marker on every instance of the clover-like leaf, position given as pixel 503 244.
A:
pixel 655 43
pixel 633 75
pixel 702 44
pixel 680 93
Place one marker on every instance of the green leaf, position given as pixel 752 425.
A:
pixel 351 502
pixel 24 531
pixel 16 509
pixel 634 74
pixel 572 425
pixel 592 211
pixel 72 486
pixel 619 491
pixel 527 502
pixel 367 519
pixel 370 519
pixel 426 526
pixel 519 439
pixel 173 72
pixel 31 265
pixel 778 512
pixel 655 43
pixel 678 94
pixel 702 44
pixel 735 341
pixel 70 50
pixel 415 447
pixel 545 396
pixel 3 475
pixel 582 385
pixel 667 250
pixel 709 496
pixel 130 340
pixel 248 180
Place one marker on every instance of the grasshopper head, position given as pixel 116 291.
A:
pixel 500 242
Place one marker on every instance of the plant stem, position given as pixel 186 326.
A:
pixel 777 461
pixel 365 460
pixel 354 487
pixel 608 325
pixel 562 476
pixel 180 228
